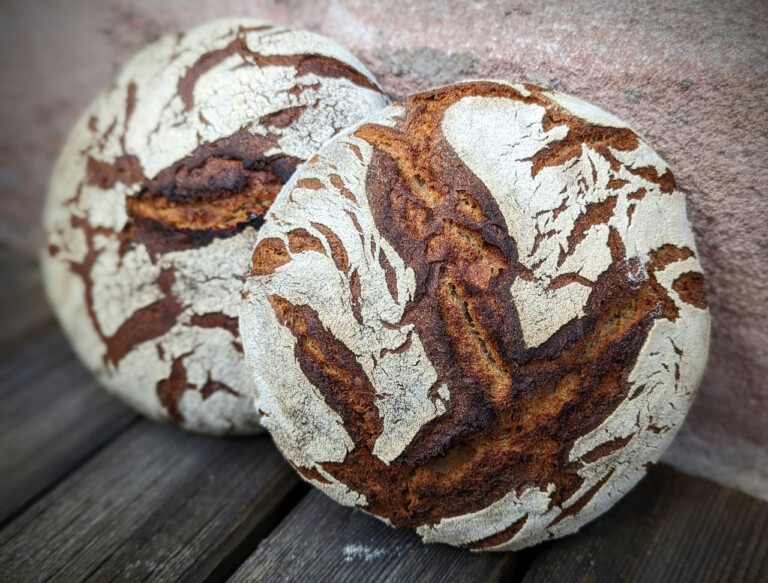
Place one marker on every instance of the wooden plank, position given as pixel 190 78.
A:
pixel 157 504
pixel 671 527
pixel 323 541
pixel 24 309
pixel 53 417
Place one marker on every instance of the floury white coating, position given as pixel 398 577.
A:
pixel 299 419
pixel 181 92
pixel 496 138
pixel 504 134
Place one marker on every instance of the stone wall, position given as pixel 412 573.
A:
pixel 691 76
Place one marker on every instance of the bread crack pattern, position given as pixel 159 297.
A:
pixel 157 198
pixel 526 349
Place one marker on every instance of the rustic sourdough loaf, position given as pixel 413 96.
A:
pixel 157 197
pixel 479 315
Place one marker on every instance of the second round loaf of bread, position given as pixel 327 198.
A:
pixel 479 315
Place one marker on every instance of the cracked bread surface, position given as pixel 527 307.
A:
pixel 156 199
pixel 485 314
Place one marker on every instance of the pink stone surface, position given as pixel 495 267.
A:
pixel 691 76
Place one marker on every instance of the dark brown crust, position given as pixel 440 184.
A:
pixel 389 275
pixel 217 191
pixel 299 240
pixel 595 214
pixel 338 252
pixel 222 187
pixel 216 320
pixel 355 290
pixel 666 255
pixel 269 254
pixel 130 106
pixel 169 390
pixel 583 500
pixel 311 183
pixel 126 169
pixel 337 182
pixel 514 412
pixel 211 387
pixel 312 474
pixel 158 239
pixel 146 323
pixel 665 181
pixel 282 118
pixel 501 536
pixel 690 288
pixel 333 369
pixel 605 449
pixel 319 65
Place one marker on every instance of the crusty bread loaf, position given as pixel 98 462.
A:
pixel 479 315
pixel 158 194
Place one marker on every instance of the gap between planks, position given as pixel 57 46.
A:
pixel 671 527
pixel 24 310
pixel 77 500
pixel 56 422
pixel 156 504
pixel 328 542
pixel 54 418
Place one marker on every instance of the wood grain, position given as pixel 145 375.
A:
pixel 88 492
pixel 24 310
pixel 671 527
pixel 328 542
pixel 157 504
pixel 53 417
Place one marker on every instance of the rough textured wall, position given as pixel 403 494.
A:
pixel 691 76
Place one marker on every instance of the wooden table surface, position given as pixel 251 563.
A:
pixel 89 491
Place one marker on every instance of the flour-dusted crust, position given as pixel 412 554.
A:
pixel 479 315
pixel 157 197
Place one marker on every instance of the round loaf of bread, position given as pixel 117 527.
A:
pixel 157 197
pixel 480 314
